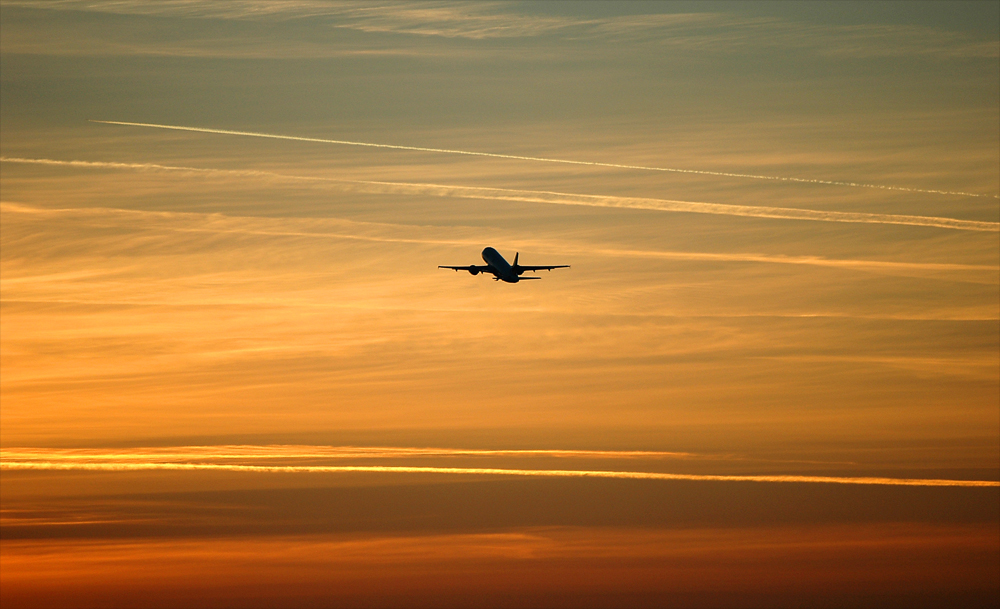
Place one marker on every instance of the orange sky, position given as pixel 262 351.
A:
pixel 180 297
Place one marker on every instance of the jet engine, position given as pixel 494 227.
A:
pixel 473 271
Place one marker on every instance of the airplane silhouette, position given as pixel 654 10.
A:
pixel 502 271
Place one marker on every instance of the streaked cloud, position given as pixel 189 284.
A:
pixel 559 198
pixel 697 32
pixel 582 566
pixel 330 228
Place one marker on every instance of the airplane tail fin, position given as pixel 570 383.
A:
pixel 516 254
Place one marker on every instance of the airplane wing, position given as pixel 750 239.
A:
pixel 472 268
pixel 524 267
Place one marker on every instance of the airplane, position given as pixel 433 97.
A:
pixel 502 271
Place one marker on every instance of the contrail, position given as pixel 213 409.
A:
pixel 752 211
pixel 561 198
pixel 544 160
pixel 220 458
pixel 291 451
pixel 485 471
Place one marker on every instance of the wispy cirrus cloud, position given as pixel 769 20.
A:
pixel 561 198
pixel 695 32
pixel 332 228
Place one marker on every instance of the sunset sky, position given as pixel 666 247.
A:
pixel 233 375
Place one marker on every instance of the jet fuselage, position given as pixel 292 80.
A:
pixel 504 271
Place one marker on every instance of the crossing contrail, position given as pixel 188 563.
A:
pixel 546 160
pixel 557 198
